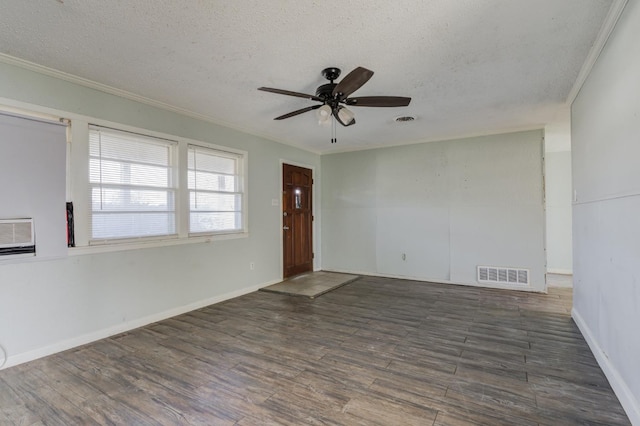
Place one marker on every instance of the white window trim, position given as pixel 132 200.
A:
pixel 135 245
pixel 239 172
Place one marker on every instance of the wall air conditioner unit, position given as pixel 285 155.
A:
pixel 17 237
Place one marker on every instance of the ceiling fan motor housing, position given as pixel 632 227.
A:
pixel 325 91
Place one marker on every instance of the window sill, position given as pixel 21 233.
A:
pixel 135 245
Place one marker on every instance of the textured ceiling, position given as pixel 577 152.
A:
pixel 471 66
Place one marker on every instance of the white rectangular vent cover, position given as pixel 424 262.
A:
pixel 503 275
pixel 16 236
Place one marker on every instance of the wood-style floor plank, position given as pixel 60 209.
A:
pixel 376 351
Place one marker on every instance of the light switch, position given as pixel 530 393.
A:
pixel 274 202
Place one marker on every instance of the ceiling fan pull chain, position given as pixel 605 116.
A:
pixel 333 131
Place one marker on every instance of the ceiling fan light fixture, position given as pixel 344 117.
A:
pixel 324 114
pixel 346 116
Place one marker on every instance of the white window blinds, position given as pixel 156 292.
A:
pixel 215 191
pixel 133 185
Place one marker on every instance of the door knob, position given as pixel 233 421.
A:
pixel 286 228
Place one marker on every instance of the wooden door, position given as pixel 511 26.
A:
pixel 297 220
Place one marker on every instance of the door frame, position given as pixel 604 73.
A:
pixel 315 196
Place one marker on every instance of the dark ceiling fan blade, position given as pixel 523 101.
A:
pixel 352 82
pixel 289 93
pixel 378 101
pixel 297 112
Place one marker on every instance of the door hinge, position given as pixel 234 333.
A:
pixel 313 255
pixel 313 218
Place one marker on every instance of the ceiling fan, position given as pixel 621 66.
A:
pixel 333 96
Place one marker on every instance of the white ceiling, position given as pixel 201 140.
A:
pixel 471 66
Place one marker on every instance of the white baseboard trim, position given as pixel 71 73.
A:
pixel 560 271
pixel 528 288
pixel 629 403
pixel 64 345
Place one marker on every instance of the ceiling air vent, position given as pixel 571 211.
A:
pixel 503 275
pixel 404 119
pixel 16 236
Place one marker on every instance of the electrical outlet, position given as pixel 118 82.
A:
pixel 252 265
pixel 404 256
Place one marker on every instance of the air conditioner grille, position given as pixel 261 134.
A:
pixel 16 236
pixel 503 275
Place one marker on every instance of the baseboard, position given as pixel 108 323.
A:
pixel 527 288
pixel 64 345
pixel 629 403
pixel 560 271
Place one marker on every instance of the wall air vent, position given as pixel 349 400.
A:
pixel 503 275
pixel 16 237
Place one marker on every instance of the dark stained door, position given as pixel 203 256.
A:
pixel 297 220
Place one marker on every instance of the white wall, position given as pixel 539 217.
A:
pixel 606 216
pixel 448 206
pixel 558 195
pixel 46 306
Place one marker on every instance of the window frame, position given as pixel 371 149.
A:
pixel 240 189
pixel 79 192
pixel 173 185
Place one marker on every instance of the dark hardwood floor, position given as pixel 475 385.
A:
pixel 376 351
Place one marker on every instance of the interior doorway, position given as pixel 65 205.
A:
pixel 297 221
pixel 559 198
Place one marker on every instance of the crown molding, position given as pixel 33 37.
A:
pixel 51 72
pixel 615 11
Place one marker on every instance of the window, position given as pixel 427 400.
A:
pixel 154 189
pixel 215 190
pixel 132 180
